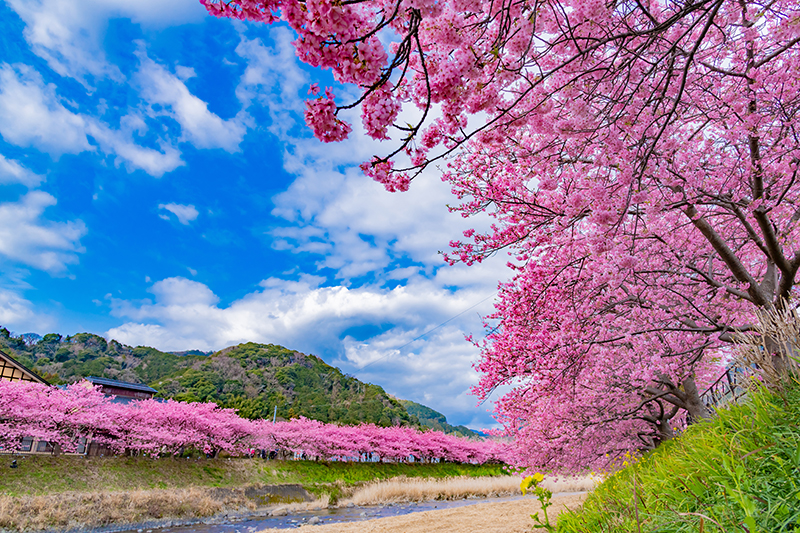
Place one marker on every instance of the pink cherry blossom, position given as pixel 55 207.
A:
pixel 639 160
pixel 66 416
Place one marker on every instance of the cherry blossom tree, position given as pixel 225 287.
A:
pixel 640 158
pixel 153 427
pixel 64 416
pixel 59 416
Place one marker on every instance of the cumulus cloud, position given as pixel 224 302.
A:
pixel 17 312
pixel 68 35
pixel 435 371
pixel 304 315
pixel 199 126
pixel 29 239
pixel 359 226
pixel 184 213
pixel 31 114
pixel 13 172
pixel 273 79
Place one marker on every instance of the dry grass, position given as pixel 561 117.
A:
pixel 74 510
pixel 771 351
pixel 322 503
pixel 80 510
pixel 404 489
pixel 84 510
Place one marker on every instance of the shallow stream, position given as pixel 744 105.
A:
pixel 325 516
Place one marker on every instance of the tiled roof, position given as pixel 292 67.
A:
pixel 120 384
pixel 30 375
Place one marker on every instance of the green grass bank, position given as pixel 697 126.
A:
pixel 46 475
pixel 46 493
pixel 738 472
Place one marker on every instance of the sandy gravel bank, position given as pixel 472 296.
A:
pixel 501 517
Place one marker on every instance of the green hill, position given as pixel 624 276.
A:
pixel 253 378
pixel 435 420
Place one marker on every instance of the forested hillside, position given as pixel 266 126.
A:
pixel 253 378
pixel 435 420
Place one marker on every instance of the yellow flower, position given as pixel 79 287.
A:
pixel 526 483
pixel 531 481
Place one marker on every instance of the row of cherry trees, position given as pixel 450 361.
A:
pixel 79 412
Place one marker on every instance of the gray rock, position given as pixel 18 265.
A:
pixel 280 511
pixel 314 520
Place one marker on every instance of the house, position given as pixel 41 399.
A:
pixel 12 370
pixel 122 391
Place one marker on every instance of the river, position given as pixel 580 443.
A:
pixel 324 516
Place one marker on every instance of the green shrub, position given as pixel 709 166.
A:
pixel 739 472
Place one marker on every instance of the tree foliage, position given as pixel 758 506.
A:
pixel 80 412
pixel 253 378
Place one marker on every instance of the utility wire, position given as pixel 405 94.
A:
pixel 356 371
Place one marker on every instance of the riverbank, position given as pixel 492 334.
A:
pixel 39 475
pixel 403 490
pixel 489 517
pixel 80 511
pixel 35 496
pixel 70 492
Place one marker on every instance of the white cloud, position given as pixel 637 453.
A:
pixel 119 143
pixel 27 238
pixel 359 226
pixel 199 126
pixel 13 172
pixel 303 315
pixel 182 292
pixel 355 226
pixel 435 371
pixel 273 78
pixel 17 312
pixel 69 35
pixel 184 73
pixel 185 213
pixel 31 114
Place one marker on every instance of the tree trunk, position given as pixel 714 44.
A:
pixel 693 403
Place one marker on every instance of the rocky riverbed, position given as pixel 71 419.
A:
pixel 509 516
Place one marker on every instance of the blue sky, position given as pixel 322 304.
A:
pixel 158 186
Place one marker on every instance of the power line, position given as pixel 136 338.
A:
pixel 426 333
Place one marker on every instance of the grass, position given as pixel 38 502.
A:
pixel 41 475
pixel 46 492
pixel 95 509
pixel 404 490
pixel 739 472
